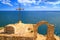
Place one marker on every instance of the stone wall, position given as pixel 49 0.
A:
pixel 15 38
pixel 9 30
pixel 19 28
pixel 50 30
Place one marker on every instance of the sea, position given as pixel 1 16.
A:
pixel 32 17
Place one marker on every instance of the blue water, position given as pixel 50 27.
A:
pixel 53 17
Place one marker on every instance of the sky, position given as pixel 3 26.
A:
pixel 30 5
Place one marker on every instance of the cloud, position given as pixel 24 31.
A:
pixel 43 6
pixel 9 4
pixel 26 1
pixel 40 4
pixel 39 7
pixel 6 2
pixel 56 7
pixel 16 4
pixel 30 1
pixel 54 3
pixel 36 8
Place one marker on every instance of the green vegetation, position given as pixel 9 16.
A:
pixel 1 28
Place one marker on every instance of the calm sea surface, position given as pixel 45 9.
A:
pixel 53 17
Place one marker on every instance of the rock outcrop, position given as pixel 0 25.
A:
pixel 29 30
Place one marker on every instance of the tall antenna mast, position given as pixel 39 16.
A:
pixel 19 16
pixel 19 9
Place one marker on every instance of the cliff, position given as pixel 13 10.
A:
pixel 27 30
